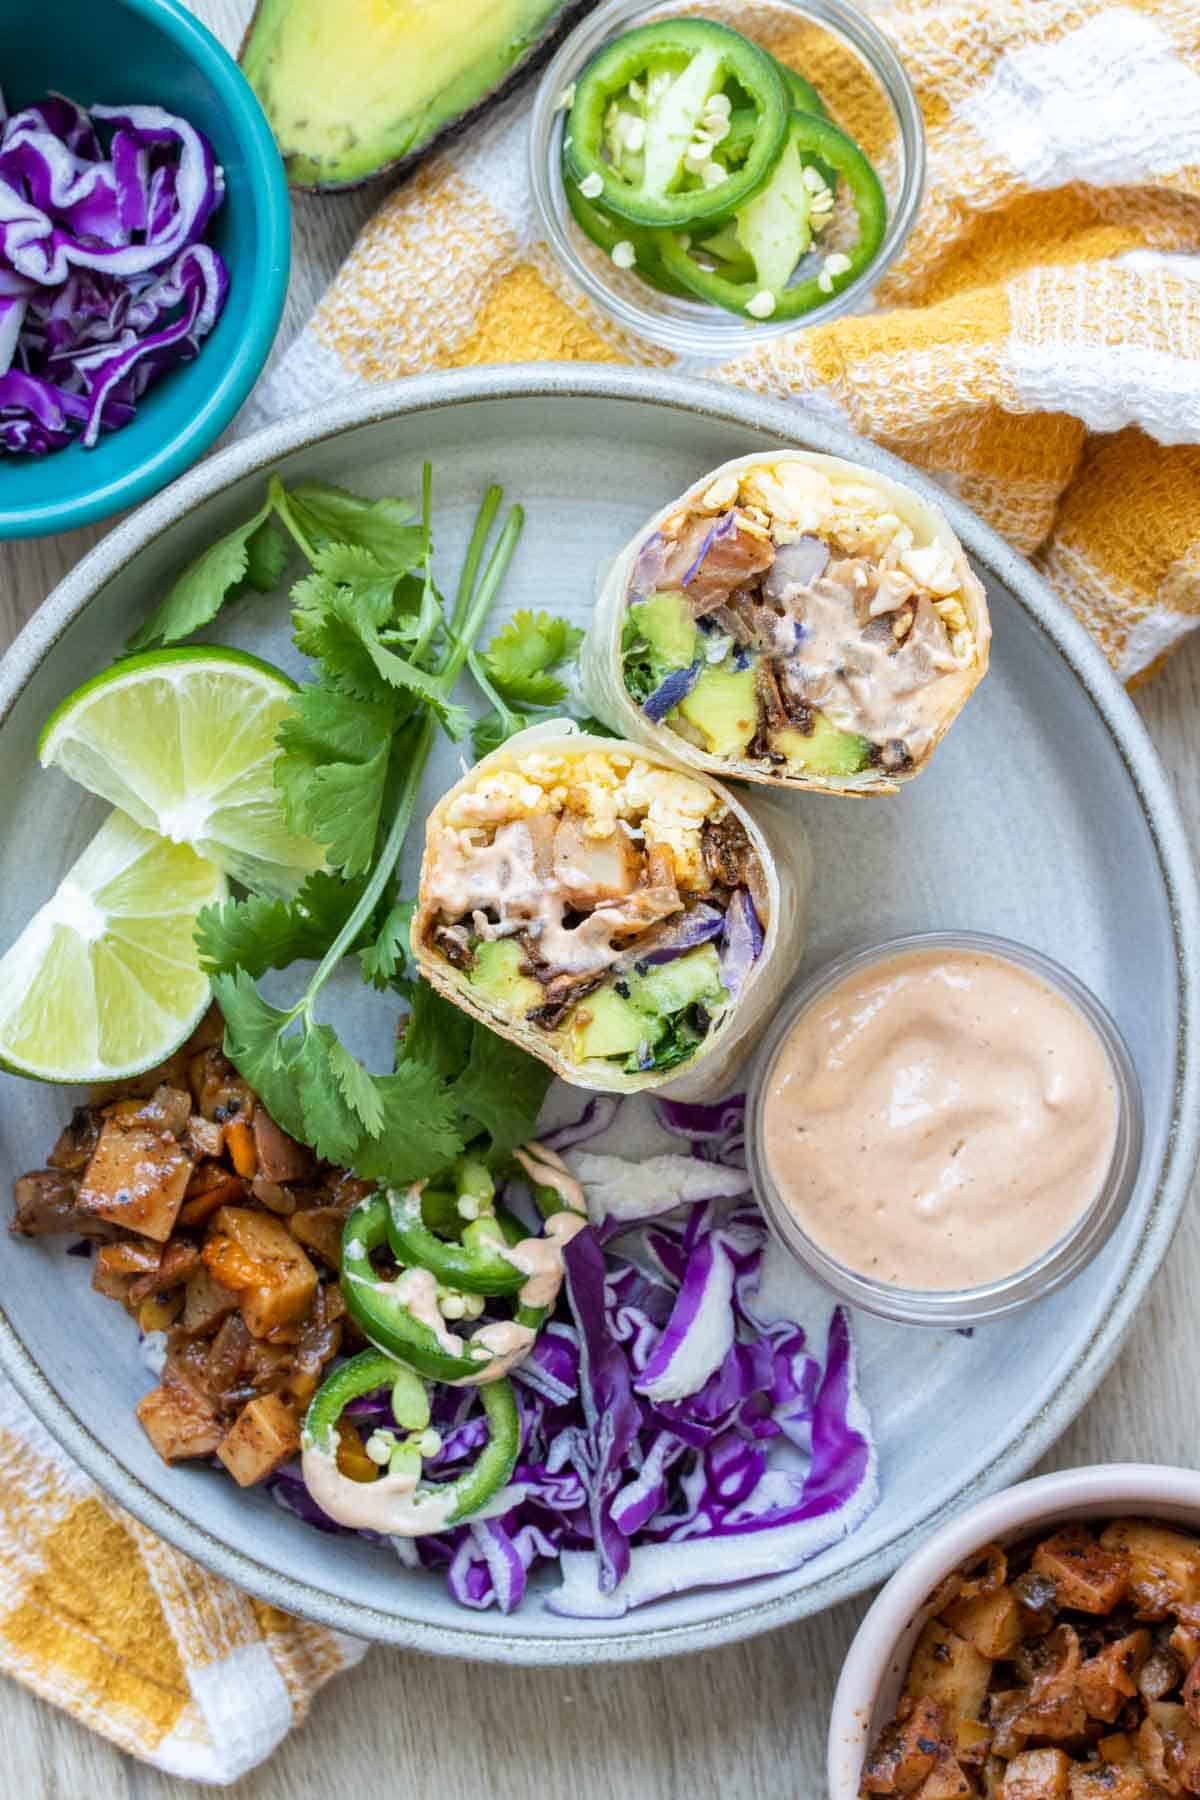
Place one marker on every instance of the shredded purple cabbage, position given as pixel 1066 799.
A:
pixel 719 530
pixel 671 1437
pixel 697 925
pixel 650 567
pixel 105 283
pixel 677 686
pixel 742 942
pixel 703 1121
pixel 596 1117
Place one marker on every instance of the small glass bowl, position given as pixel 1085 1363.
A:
pixel 880 97
pixel 1059 1264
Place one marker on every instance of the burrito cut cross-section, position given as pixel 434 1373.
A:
pixel 611 912
pixel 793 619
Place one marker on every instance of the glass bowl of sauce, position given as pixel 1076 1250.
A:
pixel 944 1128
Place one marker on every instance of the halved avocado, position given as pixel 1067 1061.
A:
pixel 353 87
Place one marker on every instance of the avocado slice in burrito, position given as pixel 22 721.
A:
pixel 611 912
pixel 793 619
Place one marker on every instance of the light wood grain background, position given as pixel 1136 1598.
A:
pixel 746 1721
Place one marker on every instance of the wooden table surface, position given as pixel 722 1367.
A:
pixel 746 1721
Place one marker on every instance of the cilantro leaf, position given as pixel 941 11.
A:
pixel 338 624
pixel 333 773
pixel 198 594
pixel 335 726
pixel 436 1033
pixel 357 567
pixel 385 960
pixel 373 585
pixel 330 515
pixel 356 1085
pixel 266 557
pixel 255 1044
pixel 396 1127
pixel 520 658
pixel 256 934
pixel 325 628
pixel 494 729
pixel 330 1124
pixel 329 901
pixel 501 1090
pixel 399 672
pixel 419 1135
pixel 338 804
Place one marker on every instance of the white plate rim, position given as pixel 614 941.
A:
pixel 791 423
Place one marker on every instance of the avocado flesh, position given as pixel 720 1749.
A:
pixel 607 1024
pixel 665 622
pixel 352 87
pixel 723 707
pixel 612 1027
pixel 497 977
pixel 669 988
pixel 825 750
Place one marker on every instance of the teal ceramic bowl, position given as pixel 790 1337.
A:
pixel 154 52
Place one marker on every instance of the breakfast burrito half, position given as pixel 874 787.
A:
pixel 614 914
pixel 794 619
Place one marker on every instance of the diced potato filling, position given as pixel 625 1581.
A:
pixel 1067 1668
pixel 220 1236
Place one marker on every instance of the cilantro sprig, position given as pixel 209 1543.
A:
pixel 354 750
pixel 353 747
pixel 385 655
pixel 517 671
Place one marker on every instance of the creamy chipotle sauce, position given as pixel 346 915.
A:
pixel 939 1119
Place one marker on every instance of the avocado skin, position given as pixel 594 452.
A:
pixel 561 16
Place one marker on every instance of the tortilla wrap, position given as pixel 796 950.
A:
pixel 581 781
pixel 796 502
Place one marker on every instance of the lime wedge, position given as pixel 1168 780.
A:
pixel 184 742
pixel 104 981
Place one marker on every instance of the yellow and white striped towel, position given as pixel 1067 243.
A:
pixel 100 1616
pixel 1037 349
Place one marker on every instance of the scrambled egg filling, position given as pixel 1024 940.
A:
pixel 607 790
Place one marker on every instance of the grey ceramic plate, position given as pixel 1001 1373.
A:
pixel 1044 816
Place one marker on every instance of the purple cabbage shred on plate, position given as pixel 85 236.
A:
pixel 672 1437
pixel 105 280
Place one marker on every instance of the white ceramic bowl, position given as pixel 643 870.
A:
pixel 874 1670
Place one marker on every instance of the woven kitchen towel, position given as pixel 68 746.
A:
pixel 103 1618
pixel 1036 348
